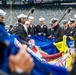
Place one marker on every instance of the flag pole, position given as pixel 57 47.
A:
pixel 31 11
pixel 66 12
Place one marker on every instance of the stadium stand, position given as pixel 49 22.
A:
pixel 46 12
pixel 21 2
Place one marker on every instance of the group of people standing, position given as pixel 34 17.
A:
pixel 25 29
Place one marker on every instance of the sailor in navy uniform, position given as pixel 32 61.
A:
pixel 50 31
pixel 2 36
pixel 31 28
pixel 41 28
pixel 66 26
pixel 21 30
pixel 75 19
pixel 58 30
pixel 72 33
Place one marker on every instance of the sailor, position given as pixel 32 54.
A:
pixel 50 31
pixel 66 26
pixel 2 45
pixel 2 24
pixel 26 26
pixel 41 28
pixel 22 16
pixel 72 33
pixel 75 19
pixel 2 16
pixel 20 30
pixel 58 30
pixel 31 28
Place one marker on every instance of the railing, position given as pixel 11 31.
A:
pixel 21 2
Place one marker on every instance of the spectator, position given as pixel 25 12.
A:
pixel 10 29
